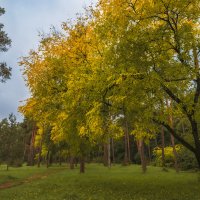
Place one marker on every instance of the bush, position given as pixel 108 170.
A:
pixel 169 155
pixel 186 159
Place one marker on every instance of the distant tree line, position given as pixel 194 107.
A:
pixel 20 144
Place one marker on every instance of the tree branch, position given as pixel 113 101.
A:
pixel 180 139
pixel 175 98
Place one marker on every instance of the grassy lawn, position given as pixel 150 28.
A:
pixel 100 183
pixel 19 174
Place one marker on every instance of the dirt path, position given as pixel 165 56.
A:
pixel 30 179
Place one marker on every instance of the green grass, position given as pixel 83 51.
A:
pixel 100 183
pixel 18 174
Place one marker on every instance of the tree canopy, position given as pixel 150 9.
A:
pixel 124 59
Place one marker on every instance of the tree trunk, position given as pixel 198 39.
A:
pixel 163 146
pixel 39 158
pixel 47 159
pixel 149 151
pixel 105 155
pixel 82 164
pixel 31 155
pixel 39 154
pixel 142 155
pixel 71 162
pixel 129 149
pixel 113 150
pixel 172 139
pixel 76 162
pixel 109 160
pixel 175 154
pixel 127 154
pixel 196 101
pixel 25 150
pixel 196 141
pixel 125 149
pixel 156 141
pixel 59 158
pixel 197 155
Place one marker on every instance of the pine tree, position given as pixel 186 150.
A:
pixel 5 42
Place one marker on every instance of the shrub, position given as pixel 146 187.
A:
pixel 169 156
pixel 186 159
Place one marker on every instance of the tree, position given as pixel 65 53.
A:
pixel 11 142
pixel 162 41
pixel 5 42
pixel 121 56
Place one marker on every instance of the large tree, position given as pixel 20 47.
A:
pixel 155 45
pixel 133 56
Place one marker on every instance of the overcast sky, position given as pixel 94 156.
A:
pixel 23 20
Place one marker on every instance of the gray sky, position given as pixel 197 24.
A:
pixel 23 20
